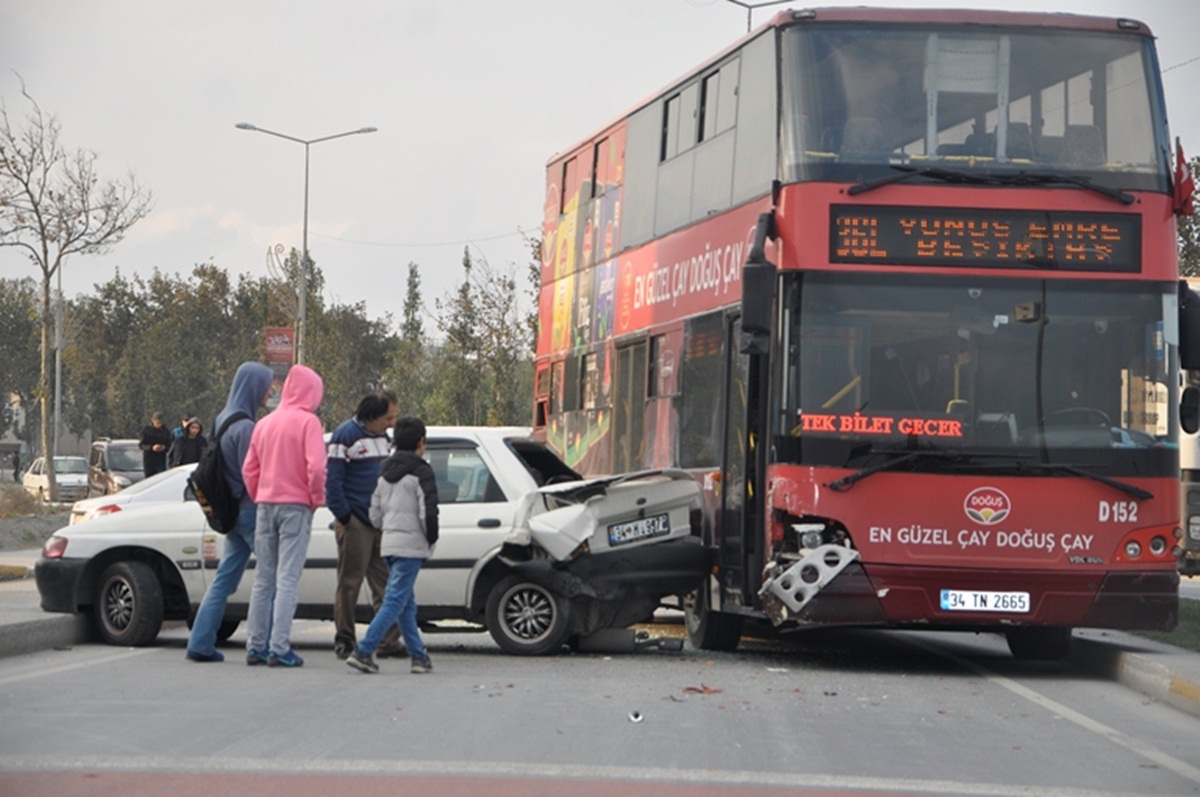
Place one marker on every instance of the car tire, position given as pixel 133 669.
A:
pixel 527 619
pixel 129 604
pixel 706 629
pixel 226 629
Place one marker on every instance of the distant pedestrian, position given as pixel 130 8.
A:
pixel 284 473
pixel 187 448
pixel 250 390
pixel 405 506
pixel 154 442
pixel 356 450
pixel 16 463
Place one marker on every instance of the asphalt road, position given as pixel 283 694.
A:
pixel 865 712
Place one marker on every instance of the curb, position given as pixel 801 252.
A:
pixel 1138 672
pixel 32 636
pixel 15 572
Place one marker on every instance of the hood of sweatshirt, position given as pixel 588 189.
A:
pixel 399 465
pixel 302 390
pixel 250 385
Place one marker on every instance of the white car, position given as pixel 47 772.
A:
pixel 535 565
pixel 165 487
pixel 69 472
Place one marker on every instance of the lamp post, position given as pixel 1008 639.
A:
pixel 302 311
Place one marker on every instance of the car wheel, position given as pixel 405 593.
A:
pixel 527 619
pixel 129 604
pixel 226 629
pixel 1039 643
pixel 706 629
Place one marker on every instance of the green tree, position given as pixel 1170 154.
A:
pixel 53 204
pixel 19 333
pixel 455 398
pixel 351 352
pixel 1189 233
pixel 409 374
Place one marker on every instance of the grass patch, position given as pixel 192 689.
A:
pixel 1187 633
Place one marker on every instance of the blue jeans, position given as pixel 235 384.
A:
pixel 399 607
pixel 280 546
pixel 239 544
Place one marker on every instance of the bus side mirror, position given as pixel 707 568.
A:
pixel 1189 328
pixel 758 292
pixel 1189 410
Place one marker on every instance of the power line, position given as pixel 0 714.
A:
pixel 1181 63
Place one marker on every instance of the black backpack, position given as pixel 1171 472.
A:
pixel 209 485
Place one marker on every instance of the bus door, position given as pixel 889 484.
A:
pixel 735 531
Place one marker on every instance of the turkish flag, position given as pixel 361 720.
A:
pixel 1184 184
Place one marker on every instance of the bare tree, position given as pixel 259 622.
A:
pixel 53 205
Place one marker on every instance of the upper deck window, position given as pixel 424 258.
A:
pixel 980 99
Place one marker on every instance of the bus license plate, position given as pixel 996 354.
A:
pixel 961 600
pixel 640 529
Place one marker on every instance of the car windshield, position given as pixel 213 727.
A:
pixel 988 100
pixel 124 458
pixel 1058 371
pixel 70 465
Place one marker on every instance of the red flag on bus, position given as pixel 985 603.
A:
pixel 1184 184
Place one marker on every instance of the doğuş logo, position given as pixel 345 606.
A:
pixel 987 505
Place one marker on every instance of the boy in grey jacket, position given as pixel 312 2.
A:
pixel 404 506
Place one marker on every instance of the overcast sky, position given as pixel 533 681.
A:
pixel 471 97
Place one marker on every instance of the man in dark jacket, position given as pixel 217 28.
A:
pixel 155 441
pixel 187 448
pixel 356 450
pixel 251 389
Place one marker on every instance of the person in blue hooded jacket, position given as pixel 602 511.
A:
pixel 250 390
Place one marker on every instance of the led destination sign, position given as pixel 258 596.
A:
pixel 985 238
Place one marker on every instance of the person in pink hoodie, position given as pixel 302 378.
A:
pixel 284 472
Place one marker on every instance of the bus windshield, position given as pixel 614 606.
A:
pixel 1056 371
pixel 978 100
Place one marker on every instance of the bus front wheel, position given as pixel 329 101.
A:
pixel 1039 643
pixel 708 629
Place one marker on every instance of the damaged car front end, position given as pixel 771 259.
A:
pixel 597 554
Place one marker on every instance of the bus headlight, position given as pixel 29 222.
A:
pixel 1158 546
pixel 1133 549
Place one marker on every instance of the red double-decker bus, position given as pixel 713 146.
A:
pixel 900 288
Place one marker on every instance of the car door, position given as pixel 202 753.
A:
pixel 474 515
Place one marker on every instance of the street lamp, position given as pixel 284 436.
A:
pixel 302 312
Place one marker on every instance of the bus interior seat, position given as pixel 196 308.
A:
pixel 1084 144
pixel 950 150
pixel 1020 141
pixel 863 135
pixel 996 429
pixel 1049 149
pixel 980 144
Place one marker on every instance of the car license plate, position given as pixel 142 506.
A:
pixel 963 600
pixel 640 529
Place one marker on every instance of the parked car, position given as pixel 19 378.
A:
pixel 534 565
pixel 69 472
pixel 170 486
pixel 113 465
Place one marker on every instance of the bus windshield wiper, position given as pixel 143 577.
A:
pixel 904 456
pixel 1051 178
pixel 908 172
pixel 1129 489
